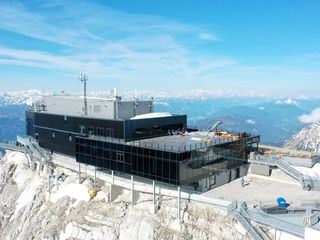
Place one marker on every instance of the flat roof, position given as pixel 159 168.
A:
pixel 182 143
pixel 173 143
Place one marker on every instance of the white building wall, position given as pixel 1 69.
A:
pixel 97 108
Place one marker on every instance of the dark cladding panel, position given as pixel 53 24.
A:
pixel 30 130
pixel 56 141
pixel 57 132
pixel 105 127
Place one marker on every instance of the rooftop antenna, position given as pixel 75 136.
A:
pixel 83 78
pixel 135 94
pixel 114 93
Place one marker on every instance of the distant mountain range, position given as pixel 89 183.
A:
pixel 275 119
pixel 20 97
pixel 307 139
pixel 27 96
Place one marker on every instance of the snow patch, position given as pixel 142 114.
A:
pixel 27 196
pixel 72 190
pixel 313 172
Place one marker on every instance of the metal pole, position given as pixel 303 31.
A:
pixel 95 176
pixel 154 192
pixel 112 176
pixel 179 196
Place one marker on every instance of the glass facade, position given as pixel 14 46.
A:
pixel 144 162
pixel 178 168
pixel 135 146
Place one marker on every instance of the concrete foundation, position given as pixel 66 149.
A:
pixel 134 197
pixel 115 191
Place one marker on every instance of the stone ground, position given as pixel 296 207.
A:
pixel 265 190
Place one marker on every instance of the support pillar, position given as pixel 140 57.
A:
pixel 156 203
pixel 112 177
pixel 132 193
pixel 115 191
pixel 179 196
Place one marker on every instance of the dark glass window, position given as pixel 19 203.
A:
pixel 90 130
pixel 100 131
pixel 120 157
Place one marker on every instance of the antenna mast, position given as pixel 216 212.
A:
pixel 84 79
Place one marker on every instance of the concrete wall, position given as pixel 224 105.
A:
pixel 260 169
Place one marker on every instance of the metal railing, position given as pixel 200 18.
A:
pixel 307 182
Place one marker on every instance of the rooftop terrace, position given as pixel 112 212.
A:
pixel 182 143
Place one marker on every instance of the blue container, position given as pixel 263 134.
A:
pixel 282 203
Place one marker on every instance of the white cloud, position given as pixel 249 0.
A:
pixel 314 116
pixel 250 121
pixel 111 44
pixel 165 104
pixel 288 101
pixel 261 108
pixel 208 37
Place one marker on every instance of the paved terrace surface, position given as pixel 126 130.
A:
pixel 265 190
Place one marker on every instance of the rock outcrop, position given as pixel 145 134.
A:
pixel 308 139
pixel 28 211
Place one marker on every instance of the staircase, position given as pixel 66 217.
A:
pixel 308 183
pixel 12 146
pixel 287 168
pixel 30 147
pixel 239 213
pixel 247 225
pixel 274 222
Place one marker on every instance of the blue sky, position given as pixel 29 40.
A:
pixel 261 46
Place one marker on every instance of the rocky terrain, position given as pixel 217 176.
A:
pixel 28 211
pixel 308 139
